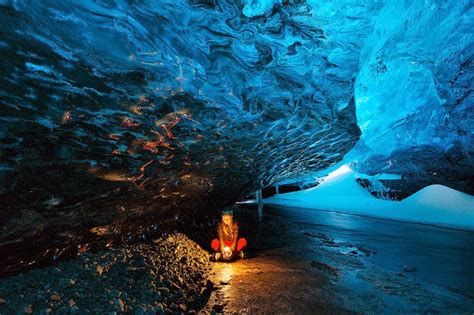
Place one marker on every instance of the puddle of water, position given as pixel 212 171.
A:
pixel 441 256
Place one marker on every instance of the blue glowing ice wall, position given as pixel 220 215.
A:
pixel 414 92
pixel 261 91
pixel 118 110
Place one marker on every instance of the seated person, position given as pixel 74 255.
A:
pixel 229 244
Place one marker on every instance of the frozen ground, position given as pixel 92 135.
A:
pixel 328 263
pixel 435 204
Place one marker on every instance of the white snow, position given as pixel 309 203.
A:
pixel 435 204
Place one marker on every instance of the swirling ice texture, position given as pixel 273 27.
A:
pixel 414 93
pixel 283 74
pixel 114 111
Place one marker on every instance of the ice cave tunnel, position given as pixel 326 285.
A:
pixel 121 117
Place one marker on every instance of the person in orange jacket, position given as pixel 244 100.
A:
pixel 228 244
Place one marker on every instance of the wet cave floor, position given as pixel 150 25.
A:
pixel 304 262
pixel 299 262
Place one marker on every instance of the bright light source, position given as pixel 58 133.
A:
pixel 340 171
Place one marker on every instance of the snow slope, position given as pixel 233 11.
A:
pixel 435 204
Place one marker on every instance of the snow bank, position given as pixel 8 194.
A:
pixel 435 204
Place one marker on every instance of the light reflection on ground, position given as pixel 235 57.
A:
pixel 321 264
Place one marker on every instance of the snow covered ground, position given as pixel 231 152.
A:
pixel 435 204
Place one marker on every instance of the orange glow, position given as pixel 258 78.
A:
pixel 186 176
pixel 67 117
pixel 114 136
pixel 136 110
pixel 129 123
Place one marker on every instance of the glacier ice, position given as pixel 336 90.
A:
pixel 415 76
pixel 340 192
pixel 413 92
pixel 129 110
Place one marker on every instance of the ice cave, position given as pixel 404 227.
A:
pixel 236 156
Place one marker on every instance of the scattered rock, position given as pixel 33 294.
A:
pixel 163 290
pixel 55 297
pixel 120 304
pixel 209 284
pixel 28 309
pixel 140 278
pixel 99 230
pixel 99 269
pixel 182 307
pixel 140 310
pixel 159 308
pixel 325 267
pixel 218 308
pixel 364 250
pixel 408 268
pixel 62 310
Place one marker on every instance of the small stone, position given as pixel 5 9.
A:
pixel 55 297
pixel 71 303
pixel 120 304
pixel 140 310
pixel 209 284
pixel 174 286
pixel 2 301
pixel 114 293
pixel 28 309
pixel 150 310
pixel 182 307
pixel 157 296
pixel 407 268
pixel 43 311
pixel 364 250
pixel 218 308
pixel 163 290
pixel 72 282
pixel 99 269
pixel 159 308
pixel 62 310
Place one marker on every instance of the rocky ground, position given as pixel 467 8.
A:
pixel 294 266
pixel 168 275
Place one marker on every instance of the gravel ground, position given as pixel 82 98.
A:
pixel 165 276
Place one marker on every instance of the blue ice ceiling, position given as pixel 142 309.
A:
pixel 145 106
